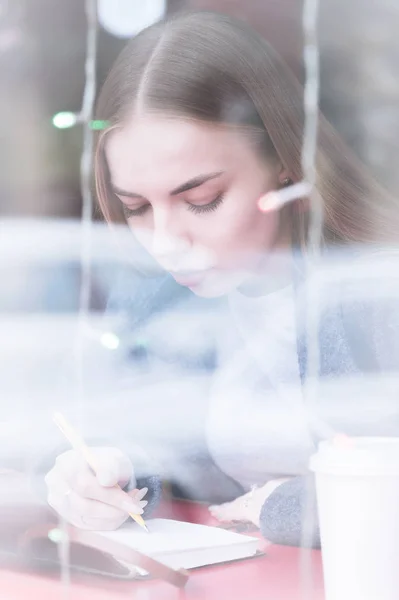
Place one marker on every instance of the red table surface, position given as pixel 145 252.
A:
pixel 283 573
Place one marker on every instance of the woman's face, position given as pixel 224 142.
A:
pixel 190 192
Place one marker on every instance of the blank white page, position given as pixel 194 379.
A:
pixel 180 539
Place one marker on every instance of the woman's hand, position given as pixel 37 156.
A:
pixel 92 501
pixel 246 508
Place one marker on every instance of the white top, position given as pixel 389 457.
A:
pixel 256 402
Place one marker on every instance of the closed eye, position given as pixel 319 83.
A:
pixel 134 212
pixel 204 208
pixel 195 208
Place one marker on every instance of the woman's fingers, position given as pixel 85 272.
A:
pixel 220 512
pixel 138 494
pixel 230 511
pixel 76 493
pixel 113 468
pixel 223 512
pixel 74 470
pixel 87 514
pixel 86 485
pixel 247 508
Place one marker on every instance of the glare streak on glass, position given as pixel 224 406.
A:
pixel 86 116
pixel 86 159
pixel 311 95
pixel 309 149
pixel 63 547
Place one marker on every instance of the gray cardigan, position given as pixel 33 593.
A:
pixel 358 351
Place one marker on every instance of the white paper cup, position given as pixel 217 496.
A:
pixel 357 484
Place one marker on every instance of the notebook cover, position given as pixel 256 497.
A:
pixel 87 547
pixel 24 541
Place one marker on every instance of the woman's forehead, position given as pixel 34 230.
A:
pixel 169 148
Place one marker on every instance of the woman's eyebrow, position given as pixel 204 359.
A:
pixel 120 192
pixel 188 185
pixel 195 182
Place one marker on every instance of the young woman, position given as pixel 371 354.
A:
pixel 204 120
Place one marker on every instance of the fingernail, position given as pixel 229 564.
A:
pixel 106 479
pixel 140 493
pixel 132 508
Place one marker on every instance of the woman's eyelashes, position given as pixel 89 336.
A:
pixel 204 208
pixel 195 208
pixel 134 212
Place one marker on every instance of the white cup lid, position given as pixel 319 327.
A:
pixel 357 456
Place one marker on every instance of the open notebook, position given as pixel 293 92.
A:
pixel 184 545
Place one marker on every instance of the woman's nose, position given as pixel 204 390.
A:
pixel 166 244
pixel 169 240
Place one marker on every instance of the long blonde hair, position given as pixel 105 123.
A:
pixel 210 67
